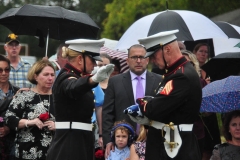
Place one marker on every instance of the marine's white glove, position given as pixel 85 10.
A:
pixel 140 120
pixel 95 70
pixel 103 73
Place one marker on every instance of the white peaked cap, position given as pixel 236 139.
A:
pixel 158 40
pixel 82 45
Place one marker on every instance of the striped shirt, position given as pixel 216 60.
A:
pixel 18 76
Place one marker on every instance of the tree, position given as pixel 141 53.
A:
pixel 121 14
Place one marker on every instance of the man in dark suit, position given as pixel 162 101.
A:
pixel 121 91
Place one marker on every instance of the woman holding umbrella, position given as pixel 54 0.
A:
pixel 74 101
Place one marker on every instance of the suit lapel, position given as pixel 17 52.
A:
pixel 127 83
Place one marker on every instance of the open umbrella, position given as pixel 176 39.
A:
pixel 237 45
pixel 228 29
pixel 237 28
pixel 49 21
pixel 222 45
pixel 221 96
pixel 223 65
pixel 117 55
pixel 191 25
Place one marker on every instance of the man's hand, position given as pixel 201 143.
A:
pixel 109 147
pixel 103 73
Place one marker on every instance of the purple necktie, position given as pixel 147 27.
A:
pixel 139 94
pixel 139 88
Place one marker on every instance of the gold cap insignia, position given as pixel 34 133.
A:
pixel 12 36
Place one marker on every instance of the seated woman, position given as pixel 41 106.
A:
pixel 137 150
pixel 31 114
pixel 231 131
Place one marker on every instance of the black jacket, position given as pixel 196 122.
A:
pixel 178 100
pixel 119 96
pixel 4 103
pixel 73 102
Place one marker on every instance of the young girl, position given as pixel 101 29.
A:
pixel 137 149
pixel 122 136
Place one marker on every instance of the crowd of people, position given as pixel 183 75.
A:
pixel 74 107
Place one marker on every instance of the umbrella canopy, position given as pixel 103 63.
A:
pixel 221 96
pixel 223 65
pixel 191 25
pixel 62 24
pixel 228 29
pixel 117 55
pixel 49 21
pixel 237 45
pixel 222 45
pixel 237 28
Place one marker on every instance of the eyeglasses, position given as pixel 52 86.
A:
pixel 6 70
pixel 135 58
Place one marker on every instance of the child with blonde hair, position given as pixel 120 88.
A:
pixel 137 149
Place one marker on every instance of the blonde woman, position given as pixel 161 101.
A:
pixel 193 59
pixel 31 114
pixel 74 100
pixel 137 149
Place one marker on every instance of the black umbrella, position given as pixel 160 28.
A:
pixel 228 29
pixel 53 21
pixel 223 65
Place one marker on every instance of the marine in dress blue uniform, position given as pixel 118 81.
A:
pixel 177 99
pixel 74 101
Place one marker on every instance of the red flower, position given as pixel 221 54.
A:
pixel 99 154
pixel 44 116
